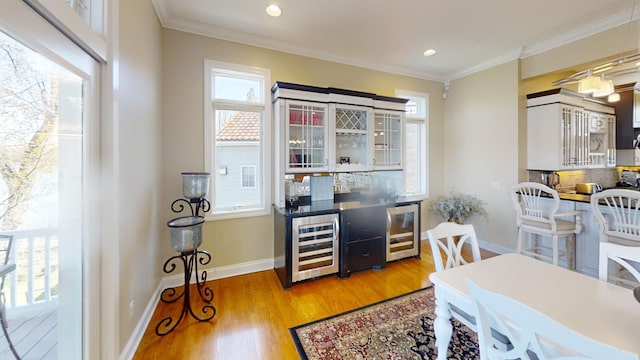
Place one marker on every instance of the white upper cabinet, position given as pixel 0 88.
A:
pixel 307 136
pixel 336 130
pixel 351 133
pixel 566 131
pixel 387 140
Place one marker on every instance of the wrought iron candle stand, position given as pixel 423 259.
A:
pixel 186 236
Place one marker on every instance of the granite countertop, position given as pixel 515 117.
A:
pixel 329 206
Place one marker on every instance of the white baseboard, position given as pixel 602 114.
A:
pixel 178 280
pixel 493 247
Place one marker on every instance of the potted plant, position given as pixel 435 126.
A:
pixel 458 207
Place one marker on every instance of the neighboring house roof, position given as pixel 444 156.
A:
pixel 243 126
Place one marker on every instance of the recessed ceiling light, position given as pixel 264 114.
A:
pixel 274 10
pixel 429 52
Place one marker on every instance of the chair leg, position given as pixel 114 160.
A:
pixel 3 321
pixel 571 252
pixel 555 249
pixel 519 242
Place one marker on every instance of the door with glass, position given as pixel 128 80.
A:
pixel 49 118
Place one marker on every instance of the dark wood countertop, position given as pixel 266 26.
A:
pixel 329 206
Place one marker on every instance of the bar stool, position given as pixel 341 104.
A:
pixel 618 211
pixel 537 214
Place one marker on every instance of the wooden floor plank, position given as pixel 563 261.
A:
pixel 254 313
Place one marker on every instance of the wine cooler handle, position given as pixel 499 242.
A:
pixel 337 226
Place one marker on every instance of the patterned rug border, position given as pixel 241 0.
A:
pixel 296 339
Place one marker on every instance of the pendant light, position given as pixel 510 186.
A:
pixel 589 84
pixel 605 89
pixel 615 97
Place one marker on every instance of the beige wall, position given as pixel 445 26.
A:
pixel 481 146
pixel 476 137
pixel 138 145
pixel 610 43
pixel 240 241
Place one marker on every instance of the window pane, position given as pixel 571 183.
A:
pixel 411 108
pixel 412 159
pixel 248 176
pixel 237 141
pixel 238 88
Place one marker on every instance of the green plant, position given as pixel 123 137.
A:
pixel 459 207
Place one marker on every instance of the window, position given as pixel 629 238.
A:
pixel 248 174
pixel 237 131
pixel 416 149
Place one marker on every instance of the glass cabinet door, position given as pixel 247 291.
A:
pixel 402 232
pixel 387 134
pixel 307 132
pixel 351 138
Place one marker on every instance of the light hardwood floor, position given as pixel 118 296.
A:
pixel 254 312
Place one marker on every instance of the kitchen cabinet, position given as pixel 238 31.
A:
pixel 566 131
pixel 627 121
pixel 601 137
pixel 306 134
pixel 363 239
pixel 403 231
pixel 388 138
pixel 334 130
pixel 351 137
pixel 629 157
pixel 587 241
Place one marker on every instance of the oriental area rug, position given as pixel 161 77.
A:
pixel 397 328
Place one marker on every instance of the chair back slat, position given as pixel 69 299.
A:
pixel 621 218
pixel 530 332
pixel 449 238
pixel 618 212
pixel 531 201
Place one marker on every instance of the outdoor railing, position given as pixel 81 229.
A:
pixel 35 280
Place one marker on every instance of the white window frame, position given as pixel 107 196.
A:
pixel 263 106
pixel 421 119
pixel 242 175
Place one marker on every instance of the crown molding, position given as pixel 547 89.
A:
pixel 581 33
pixel 221 33
pixel 499 60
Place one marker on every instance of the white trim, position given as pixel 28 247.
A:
pixel 177 280
pixel 272 44
pixel 208 30
pixel 267 124
pixel 109 341
pixel 424 138
pixel 63 17
pixel 493 247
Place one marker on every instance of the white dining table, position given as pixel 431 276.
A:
pixel 602 311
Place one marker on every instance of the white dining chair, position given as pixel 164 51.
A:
pixel 532 335
pixel 618 213
pixel 450 238
pixel 537 214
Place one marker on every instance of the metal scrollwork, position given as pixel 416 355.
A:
pixel 190 260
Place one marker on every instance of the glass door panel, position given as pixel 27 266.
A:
pixel 48 145
pixel 387 140
pixel 307 124
pixel 352 134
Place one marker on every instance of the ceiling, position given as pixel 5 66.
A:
pixel 392 35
